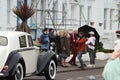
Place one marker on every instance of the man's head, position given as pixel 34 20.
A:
pixel 51 30
pixel 45 30
pixel 81 34
pixel 75 30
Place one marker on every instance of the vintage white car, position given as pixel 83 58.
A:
pixel 20 58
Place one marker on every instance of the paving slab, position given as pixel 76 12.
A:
pixel 98 64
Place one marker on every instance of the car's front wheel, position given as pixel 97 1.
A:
pixel 18 75
pixel 50 73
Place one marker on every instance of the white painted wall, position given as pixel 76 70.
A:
pixel 3 13
pixel 107 35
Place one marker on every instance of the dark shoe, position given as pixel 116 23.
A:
pixel 63 66
pixel 83 68
pixel 70 63
pixel 84 65
pixel 75 65
pixel 80 67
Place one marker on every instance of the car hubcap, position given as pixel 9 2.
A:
pixel 19 72
pixel 52 69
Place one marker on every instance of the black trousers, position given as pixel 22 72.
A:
pixel 92 56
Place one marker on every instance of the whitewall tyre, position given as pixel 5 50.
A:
pixel 50 73
pixel 18 75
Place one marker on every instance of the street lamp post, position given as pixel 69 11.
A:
pixel 26 1
pixel 17 21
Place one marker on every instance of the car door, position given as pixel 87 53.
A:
pixel 33 53
pixel 29 53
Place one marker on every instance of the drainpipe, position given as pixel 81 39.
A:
pixel 17 21
pixel 26 1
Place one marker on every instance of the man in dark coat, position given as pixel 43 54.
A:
pixel 52 39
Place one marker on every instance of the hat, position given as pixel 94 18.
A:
pixel 91 32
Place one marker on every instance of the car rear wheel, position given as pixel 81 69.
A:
pixel 18 75
pixel 50 73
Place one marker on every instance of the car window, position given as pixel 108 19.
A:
pixel 30 42
pixel 22 41
pixel 3 41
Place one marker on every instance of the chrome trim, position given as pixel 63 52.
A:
pixel 1 74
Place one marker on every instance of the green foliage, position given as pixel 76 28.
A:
pixel 99 47
pixel 108 50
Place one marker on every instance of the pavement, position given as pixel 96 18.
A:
pixel 98 64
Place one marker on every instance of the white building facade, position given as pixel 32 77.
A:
pixel 67 14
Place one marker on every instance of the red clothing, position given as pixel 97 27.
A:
pixel 73 39
pixel 81 44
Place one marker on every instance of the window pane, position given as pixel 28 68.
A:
pixel 105 18
pixel 111 18
pixel 22 40
pixel 3 41
pixel 30 42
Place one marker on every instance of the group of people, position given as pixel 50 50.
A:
pixel 79 45
pixel 65 43
pixel 57 41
